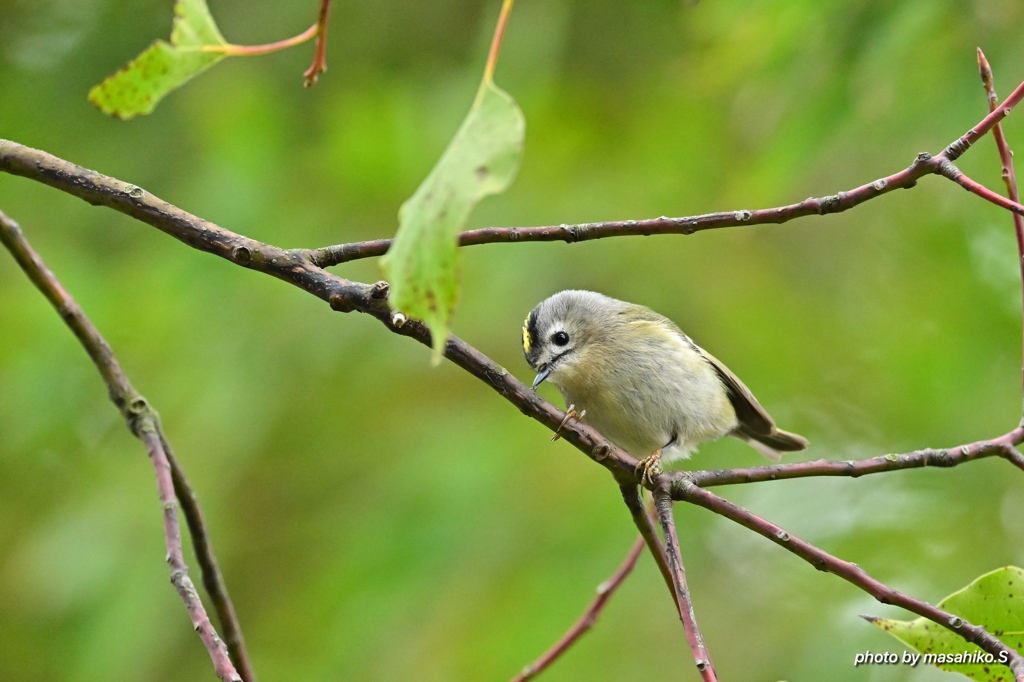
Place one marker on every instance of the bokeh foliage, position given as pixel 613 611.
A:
pixel 381 519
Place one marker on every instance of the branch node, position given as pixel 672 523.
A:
pixel 398 320
pixel 571 233
pixel 134 191
pixel 947 170
pixel 601 451
pixel 742 216
pixel 702 665
pixel 956 622
pixel 783 536
pixel 955 149
pixel 341 303
pixel 380 290
pixel 829 204
pixel 241 255
pixel 880 184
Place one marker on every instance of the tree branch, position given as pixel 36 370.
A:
pixel 604 592
pixel 663 503
pixel 1002 446
pixel 823 561
pixel 925 164
pixel 144 423
pixel 1009 177
pixel 302 268
pixel 642 519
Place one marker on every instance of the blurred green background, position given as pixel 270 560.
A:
pixel 379 519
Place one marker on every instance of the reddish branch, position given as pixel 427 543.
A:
pixel 294 266
pixel 823 561
pixel 319 64
pixel 1009 177
pixel 1002 446
pixel 304 269
pixel 604 592
pixel 925 164
pixel 663 503
pixel 143 422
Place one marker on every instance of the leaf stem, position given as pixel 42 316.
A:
pixel 252 50
pixel 492 55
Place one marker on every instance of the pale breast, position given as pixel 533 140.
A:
pixel 658 392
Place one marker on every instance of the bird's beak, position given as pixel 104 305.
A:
pixel 541 377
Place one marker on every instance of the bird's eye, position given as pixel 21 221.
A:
pixel 559 338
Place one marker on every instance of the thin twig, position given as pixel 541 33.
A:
pixel 1002 446
pixel 144 424
pixel 925 164
pixel 1009 176
pixel 213 578
pixel 319 64
pixel 604 592
pixel 974 187
pixel 823 561
pixel 642 519
pixel 303 268
pixel 701 656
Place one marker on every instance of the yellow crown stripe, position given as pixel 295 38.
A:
pixel 527 339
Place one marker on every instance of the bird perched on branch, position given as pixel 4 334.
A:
pixel 642 382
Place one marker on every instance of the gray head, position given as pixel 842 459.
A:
pixel 560 327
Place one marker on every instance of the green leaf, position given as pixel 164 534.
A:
pixel 482 159
pixel 994 601
pixel 163 66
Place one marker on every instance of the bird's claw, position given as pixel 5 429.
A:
pixel 569 414
pixel 649 468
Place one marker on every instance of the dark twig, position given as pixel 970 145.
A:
pixel 925 164
pixel 213 579
pixel 956 175
pixel 1002 446
pixel 604 592
pixel 823 561
pixel 1009 177
pixel 144 424
pixel 303 268
pixel 663 504
pixel 319 64
pixel 642 519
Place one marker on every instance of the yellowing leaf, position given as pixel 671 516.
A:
pixel 482 159
pixel 162 66
pixel 994 601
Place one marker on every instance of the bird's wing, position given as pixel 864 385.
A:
pixel 751 416
pixel 749 412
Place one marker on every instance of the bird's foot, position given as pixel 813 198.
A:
pixel 649 468
pixel 569 414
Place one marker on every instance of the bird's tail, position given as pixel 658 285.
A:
pixel 773 444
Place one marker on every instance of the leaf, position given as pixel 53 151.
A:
pixel 423 262
pixel 994 601
pixel 162 66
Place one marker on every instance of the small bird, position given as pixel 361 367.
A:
pixel 642 382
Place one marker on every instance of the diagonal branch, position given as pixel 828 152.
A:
pixel 823 561
pixel 145 425
pixel 951 172
pixel 1009 177
pixel 663 503
pixel 604 592
pixel 632 497
pixel 297 267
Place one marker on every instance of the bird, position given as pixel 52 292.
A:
pixel 642 382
